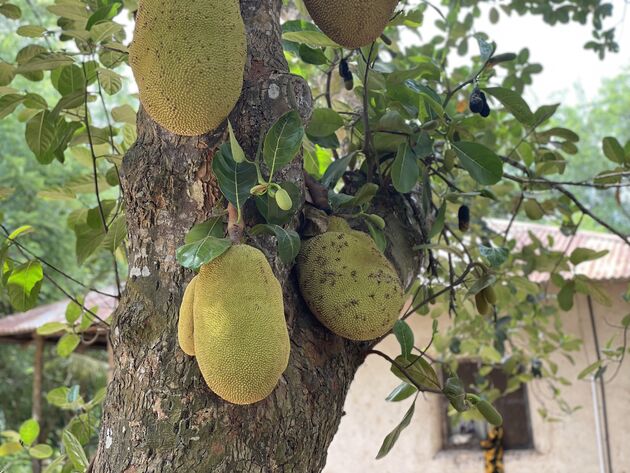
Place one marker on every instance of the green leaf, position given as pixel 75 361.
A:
pixel 288 241
pixel 613 150
pixel 579 255
pixel 74 450
pixel 116 234
pixel 312 55
pixel 480 284
pixel 401 392
pixel 40 135
pixel 482 164
pixel 55 464
pixel 10 448
pixel 68 79
pixel 566 295
pixel 23 230
pixel 212 227
pixel 58 396
pixel 237 152
pixel 73 312
pixel 589 369
pixel 283 141
pixel 23 285
pixel 438 224
pixel 44 62
pixel 335 170
pixel 235 179
pixel 124 114
pixel 110 80
pixel 486 50
pixel 405 170
pixel 107 12
pixel 496 256
pixel 514 103
pixel 315 39
pixel 88 240
pixel 404 335
pixel 31 31
pixel 7 73
pixel 51 328
pixel 8 103
pixel 29 431
pixel 544 113
pixel 324 122
pixel 10 11
pixel 420 371
pixel 193 255
pixel 40 451
pixel 392 437
pixel 67 344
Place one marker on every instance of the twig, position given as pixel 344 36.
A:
pixel 514 213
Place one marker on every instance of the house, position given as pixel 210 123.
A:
pixel 576 444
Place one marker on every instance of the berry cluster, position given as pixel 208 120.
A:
pixel 478 103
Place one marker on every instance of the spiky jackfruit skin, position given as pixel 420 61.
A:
pixel 185 324
pixel 241 339
pixel 349 285
pixel 188 59
pixel 351 23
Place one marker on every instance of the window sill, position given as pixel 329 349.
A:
pixel 460 455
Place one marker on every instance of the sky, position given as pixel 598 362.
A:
pixel 559 49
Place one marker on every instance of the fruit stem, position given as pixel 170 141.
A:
pixel 235 224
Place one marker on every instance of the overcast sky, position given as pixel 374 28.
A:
pixel 559 49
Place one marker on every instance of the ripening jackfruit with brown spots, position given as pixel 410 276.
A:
pixel 351 23
pixel 349 285
pixel 188 59
pixel 240 335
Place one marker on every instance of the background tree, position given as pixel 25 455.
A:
pixel 401 145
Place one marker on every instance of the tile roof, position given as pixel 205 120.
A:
pixel 613 266
pixel 25 323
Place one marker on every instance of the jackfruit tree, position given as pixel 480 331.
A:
pixel 269 188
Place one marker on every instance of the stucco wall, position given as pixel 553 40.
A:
pixel 563 447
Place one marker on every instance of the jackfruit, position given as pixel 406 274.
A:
pixel 349 285
pixel 240 335
pixel 188 59
pixel 351 23
pixel 185 324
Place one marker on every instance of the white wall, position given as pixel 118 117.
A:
pixel 568 446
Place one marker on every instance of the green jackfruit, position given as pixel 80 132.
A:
pixel 351 23
pixel 240 335
pixel 188 59
pixel 349 285
pixel 185 325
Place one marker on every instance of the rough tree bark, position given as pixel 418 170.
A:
pixel 159 415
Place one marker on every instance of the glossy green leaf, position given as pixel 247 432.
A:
pixel 67 344
pixel 235 179
pixel 419 371
pixel 580 255
pixel 324 122
pixel 237 152
pixel 405 170
pixel 514 104
pixel 51 328
pixel 288 240
pixel 401 392
pixel 74 450
pixel 613 150
pixel 405 338
pixel 23 285
pixel 315 39
pixel 283 141
pixel 496 256
pixel 29 431
pixel 40 451
pixel 483 164
pixel 393 436
pixel 193 255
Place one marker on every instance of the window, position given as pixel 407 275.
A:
pixel 513 407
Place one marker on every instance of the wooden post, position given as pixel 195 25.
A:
pixel 36 411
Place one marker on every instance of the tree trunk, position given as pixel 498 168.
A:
pixel 159 415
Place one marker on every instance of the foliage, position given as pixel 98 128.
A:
pixel 402 129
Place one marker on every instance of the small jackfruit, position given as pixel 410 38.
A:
pixel 185 324
pixel 188 59
pixel 240 335
pixel 348 284
pixel 351 23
